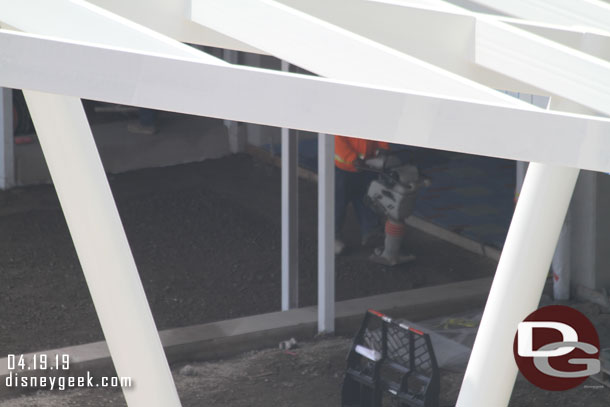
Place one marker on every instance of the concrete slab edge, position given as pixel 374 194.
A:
pixel 414 221
pixel 231 337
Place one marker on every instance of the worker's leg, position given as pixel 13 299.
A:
pixel 367 218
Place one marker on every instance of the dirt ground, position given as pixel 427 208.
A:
pixel 309 376
pixel 206 239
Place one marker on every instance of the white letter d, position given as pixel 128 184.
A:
pixel 525 343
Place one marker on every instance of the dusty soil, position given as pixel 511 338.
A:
pixel 206 239
pixel 310 376
pixel 306 377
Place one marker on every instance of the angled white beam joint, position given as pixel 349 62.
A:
pixel 79 20
pixel 550 66
pixel 334 52
pixel 584 13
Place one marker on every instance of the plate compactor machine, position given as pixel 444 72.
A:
pixel 393 195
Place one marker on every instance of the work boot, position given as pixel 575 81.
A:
pixel 381 256
pixel 339 247
pixel 391 252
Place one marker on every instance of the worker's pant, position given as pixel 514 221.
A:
pixel 352 187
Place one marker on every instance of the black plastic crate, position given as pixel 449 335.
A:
pixel 390 364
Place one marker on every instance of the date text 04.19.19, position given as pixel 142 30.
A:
pixel 38 361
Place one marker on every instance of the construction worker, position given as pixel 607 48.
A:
pixel 351 185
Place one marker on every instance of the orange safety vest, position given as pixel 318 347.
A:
pixel 347 149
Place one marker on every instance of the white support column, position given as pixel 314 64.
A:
pixel 326 233
pixel 237 142
pixel 290 216
pixel 7 157
pixel 102 248
pixel 518 283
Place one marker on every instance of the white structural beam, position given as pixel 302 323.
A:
pixel 411 29
pixel 535 60
pixel 421 32
pixel 432 13
pixel 170 17
pixel 290 216
pixel 324 105
pixel 596 44
pixel 326 233
pixel 522 272
pixel 102 248
pixel 81 21
pixel 439 5
pixel 592 14
pixel 333 52
pixel 7 158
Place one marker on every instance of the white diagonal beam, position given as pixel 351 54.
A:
pixel 82 21
pixel 596 44
pixel 518 283
pixel 331 51
pixel 415 30
pixel 535 60
pixel 324 105
pixel 171 18
pixel 430 14
pixel 102 248
pixel 587 13
pixel 422 32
